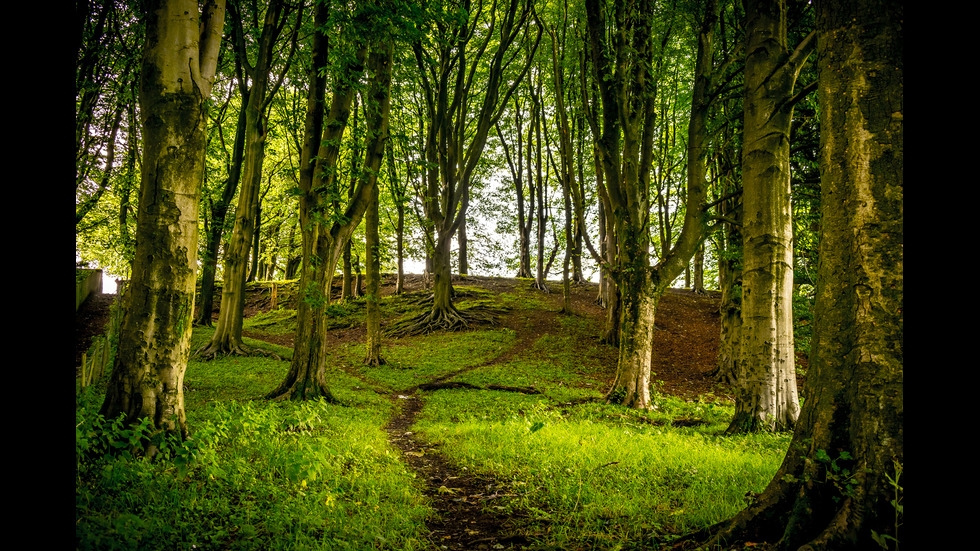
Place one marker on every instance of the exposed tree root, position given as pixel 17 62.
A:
pixel 542 287
pixel 429 322
pixel 457 384
pixel 444 319
pixel 298 390
pixel 793 515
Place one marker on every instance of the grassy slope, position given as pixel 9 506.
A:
pixel 580 475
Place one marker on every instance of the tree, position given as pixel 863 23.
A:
pixel 839 485
pixel 326 224
pixel 106 64
pixel 215 225
pixel 767 397
pixel 227 337
pixel 179 60
pixel 378 105
pixel 624 59
pixel 465 42
pixel 524 221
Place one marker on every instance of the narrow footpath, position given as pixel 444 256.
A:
pixel 465 517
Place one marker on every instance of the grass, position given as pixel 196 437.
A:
pixel 270 475
pixel 593 479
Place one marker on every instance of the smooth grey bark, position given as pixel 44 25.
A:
pixel 839 486
pixel 766 393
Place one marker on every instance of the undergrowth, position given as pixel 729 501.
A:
pixel 313 475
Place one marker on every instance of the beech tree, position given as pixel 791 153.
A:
pixel 624 57
pixel 215 224
pixel 257 95
pixel 766 389
pixel 525 199
pixel 106 71
pixel 326 224
pixel 839 486
pixel 378 106
pixel 468 40
pixel 179 59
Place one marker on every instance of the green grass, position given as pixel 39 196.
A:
pixel 270 475
pixel 588 475
pixel 255 474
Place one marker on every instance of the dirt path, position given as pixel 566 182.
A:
pixel 464 517
pixel 460 499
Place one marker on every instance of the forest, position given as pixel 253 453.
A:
pixel 491 274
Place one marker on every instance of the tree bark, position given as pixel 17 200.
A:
pixel 329 230
pixel 179 60
pixel 399 196
pixel 372 250
pixel 227 337
pixel 623 61
pixel 767 396
pixel 839 486
pixel 377 110
pixel 219 211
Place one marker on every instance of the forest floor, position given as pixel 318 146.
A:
pixel 685 351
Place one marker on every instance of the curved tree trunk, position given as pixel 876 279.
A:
pixel 839 486
pixel 625 147
pixel 154 341
pixel 307 372
pixel 227 337
pixel 457 132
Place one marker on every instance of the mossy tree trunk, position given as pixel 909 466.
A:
pixel 377 109
pixel 330 230
pixel 839 487
pixel 179 60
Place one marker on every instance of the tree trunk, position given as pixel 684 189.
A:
pixel 219 211
pixel 321 135
pixel 625 146
pixel 537 114
pixel 730 283
pixel 461 240
pixel 839 486
pixel 767 396
pixel 372 246
pixel 457 132
pixel 307 373
pixel 227 337
pixel 398 195
pixel 180 56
